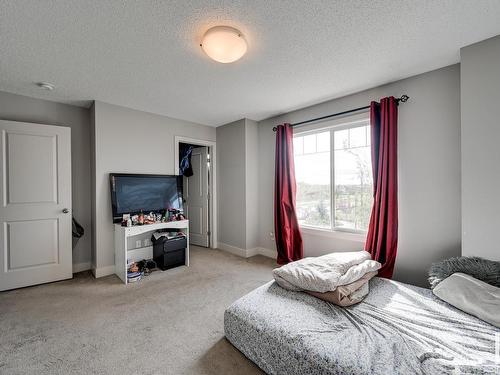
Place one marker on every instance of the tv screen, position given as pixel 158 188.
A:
pixel 133 193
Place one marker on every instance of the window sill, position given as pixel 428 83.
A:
pixel 339 234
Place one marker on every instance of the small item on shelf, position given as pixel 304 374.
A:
pixel 135 219
pixel 171 216
pixel 125 219
pixel 132 277
pixel 137 270
pixel 129 222
pixel 180 216
pixel 146 266
pixel 168 234
pixel 133 267
pixel 140 219
pixel 150 218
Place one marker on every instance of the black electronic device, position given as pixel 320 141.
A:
pixel 169 252
pixel 133 193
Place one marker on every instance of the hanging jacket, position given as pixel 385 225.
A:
pixel 185 166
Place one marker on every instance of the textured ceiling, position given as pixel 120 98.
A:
pixel 146 55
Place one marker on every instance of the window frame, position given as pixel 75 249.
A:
pixel 345 122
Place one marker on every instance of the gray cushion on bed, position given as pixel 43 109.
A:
pixel 472 296
pixel 479 268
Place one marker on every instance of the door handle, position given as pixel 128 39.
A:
pixel 65 210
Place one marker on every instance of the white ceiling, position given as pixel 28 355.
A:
pixel 146 55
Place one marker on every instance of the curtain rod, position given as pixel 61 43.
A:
pixel 403 99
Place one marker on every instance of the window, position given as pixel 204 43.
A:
pixel 334 174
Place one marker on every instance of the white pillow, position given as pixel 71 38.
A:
pixel 471 295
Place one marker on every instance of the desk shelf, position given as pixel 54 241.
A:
pixel 122 253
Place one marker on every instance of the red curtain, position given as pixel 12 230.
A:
pixel 382 238
pixel 286 226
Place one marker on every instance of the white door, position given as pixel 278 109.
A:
pixel 196 196
pixel 35 214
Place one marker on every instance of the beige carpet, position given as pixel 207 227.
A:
pixel 168 323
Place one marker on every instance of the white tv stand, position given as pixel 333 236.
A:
pixel 122 252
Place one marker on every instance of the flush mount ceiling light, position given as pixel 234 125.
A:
pixel 224 44
pixel 46 86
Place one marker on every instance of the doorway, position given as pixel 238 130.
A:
pixel 195 160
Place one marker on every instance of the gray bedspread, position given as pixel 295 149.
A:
pixel 397 329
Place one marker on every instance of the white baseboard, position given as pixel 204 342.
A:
pixel 247 253
pixel 252 252
pixel 103 271
pixel 266 252
pixel 233 249
pixel 80 267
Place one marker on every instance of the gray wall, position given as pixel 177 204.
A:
pixel 252 183
pixel 92 185
pixel 429 172
pixel 231 184
pixel 131 141
pixel 21 108
pixel 238 194
pixel 480 79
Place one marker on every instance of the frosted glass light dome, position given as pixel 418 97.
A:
pixel 224 44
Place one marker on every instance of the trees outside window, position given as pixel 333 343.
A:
pixel 334 174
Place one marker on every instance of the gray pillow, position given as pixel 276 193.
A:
pixel 479 268
pixel 471 296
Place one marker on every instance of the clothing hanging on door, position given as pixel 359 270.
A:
pixel 185 167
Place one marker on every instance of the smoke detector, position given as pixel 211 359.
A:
pixel 46 86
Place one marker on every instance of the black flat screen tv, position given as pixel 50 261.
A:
pixel 133 193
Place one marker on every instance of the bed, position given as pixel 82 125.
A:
pixel 397 329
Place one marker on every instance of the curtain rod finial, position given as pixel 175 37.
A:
pixel 275 129
pixel 404 98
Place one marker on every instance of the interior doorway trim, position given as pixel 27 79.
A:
pixel 213 181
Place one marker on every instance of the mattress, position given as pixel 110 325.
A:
pixel 397 329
